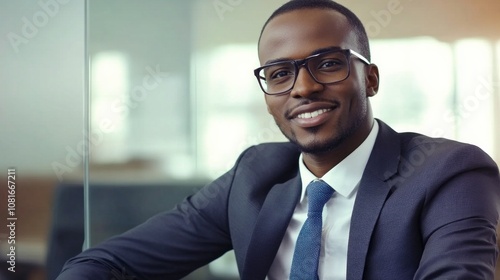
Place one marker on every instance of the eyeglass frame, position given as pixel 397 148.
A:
pixel 299 63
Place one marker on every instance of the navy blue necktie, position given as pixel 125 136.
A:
pixel 306 254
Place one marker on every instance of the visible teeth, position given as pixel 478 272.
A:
pixel 312 114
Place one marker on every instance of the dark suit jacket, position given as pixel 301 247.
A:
pixel 425 209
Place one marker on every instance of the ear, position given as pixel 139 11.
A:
pixel 372 80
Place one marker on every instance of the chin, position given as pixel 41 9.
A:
pixel 318 147
pixel 323 142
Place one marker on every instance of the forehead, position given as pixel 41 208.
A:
pixel 297 34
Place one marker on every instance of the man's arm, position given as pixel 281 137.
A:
pixel 168 246
pixel 459 220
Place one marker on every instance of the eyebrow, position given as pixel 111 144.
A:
pixel 282 59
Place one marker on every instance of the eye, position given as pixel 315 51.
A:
pixel 330 64
pixel 281 73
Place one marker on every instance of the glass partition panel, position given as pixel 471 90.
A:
pixel 142 137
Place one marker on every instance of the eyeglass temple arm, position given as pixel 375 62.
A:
pixel 360 57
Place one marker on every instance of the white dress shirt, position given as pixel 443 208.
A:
pixel 344 178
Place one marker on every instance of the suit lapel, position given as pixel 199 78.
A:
pixel 373 191
pixel 271 225
pixel 277 210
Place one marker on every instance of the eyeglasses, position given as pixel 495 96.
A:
pixel 327 67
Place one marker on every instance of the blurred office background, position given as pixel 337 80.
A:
pixel 173 101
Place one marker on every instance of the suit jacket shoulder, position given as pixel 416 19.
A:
pixel 426 206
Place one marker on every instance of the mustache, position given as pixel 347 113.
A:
pixel 288 112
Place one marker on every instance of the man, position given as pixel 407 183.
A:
pixel 397 205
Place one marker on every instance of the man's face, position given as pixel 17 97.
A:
pixel 339 113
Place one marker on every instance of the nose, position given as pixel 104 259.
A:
pixel 305 85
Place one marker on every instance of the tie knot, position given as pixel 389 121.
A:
pixel 318 193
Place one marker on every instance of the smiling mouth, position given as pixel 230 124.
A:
pixel 309 115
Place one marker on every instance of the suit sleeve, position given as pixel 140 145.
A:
pixel 459 219
pixel 168 246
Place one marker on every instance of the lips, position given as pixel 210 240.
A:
pixel 312 114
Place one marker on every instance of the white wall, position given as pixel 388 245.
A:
pixel 41 82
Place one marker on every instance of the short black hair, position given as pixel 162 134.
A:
pixel 354 21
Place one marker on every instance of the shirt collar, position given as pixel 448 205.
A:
pixel 345 176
